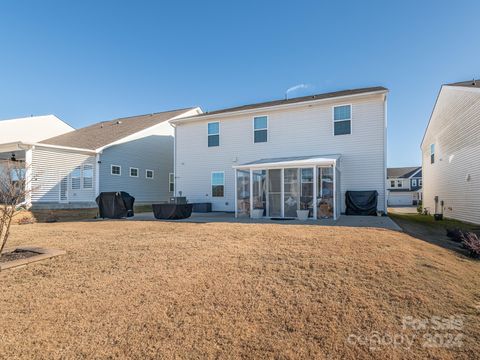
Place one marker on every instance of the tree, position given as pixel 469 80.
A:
pixel 15 190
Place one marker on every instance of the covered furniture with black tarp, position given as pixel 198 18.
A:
pixel 361 202
pixel 115 205
pixel 172 211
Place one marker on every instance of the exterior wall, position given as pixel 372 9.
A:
pixel 454 177
pixel 48 166
pixel 32 129
pixel 300 131
pixel 154 152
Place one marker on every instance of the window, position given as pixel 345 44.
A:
pixel 419 182
pixel 399 183
pixel 88 176
pixel 213 134
pixel 133 172
pixel 392 183
pixel 76 173
pixel 260 128
pixel 171 182
pixel 432 153
pixel 116 170
pixel 414 182
pixel 218 184
pixel 149 174
pixel 342 120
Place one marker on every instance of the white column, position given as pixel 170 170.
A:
pixel 315 184
pixel 251 192
pixel 28 177
pixel 236 213
pixel 335 190
pixel 282 193
pixel 97 175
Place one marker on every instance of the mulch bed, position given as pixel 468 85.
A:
pixel 16 255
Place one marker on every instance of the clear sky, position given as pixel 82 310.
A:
pixel 88 61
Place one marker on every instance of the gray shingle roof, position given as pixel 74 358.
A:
pixel 296 100
pixel 402 172
pixel 469 83
pixel 103 133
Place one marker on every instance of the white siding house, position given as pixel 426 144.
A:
pixel 340 136
pixel 132 154
pixel 451 151
pixel 32 129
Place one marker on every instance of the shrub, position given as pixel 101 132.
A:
pixel 471 242
pixel 25 220
pixel 420 207
pixel 456 235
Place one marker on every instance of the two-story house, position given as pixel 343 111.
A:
pixel 451 150
pixel 274 158
pixel 404 186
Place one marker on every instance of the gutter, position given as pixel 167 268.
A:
pixel 205 116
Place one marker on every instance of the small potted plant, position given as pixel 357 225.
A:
pixel 303 213
pixel 257 213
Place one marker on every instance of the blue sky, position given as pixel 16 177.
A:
pixel 88 61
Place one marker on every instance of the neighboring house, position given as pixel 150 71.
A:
pixel 451 151
pixel 281 156
pixel 404 186
pixel 32 129
pixel 133 154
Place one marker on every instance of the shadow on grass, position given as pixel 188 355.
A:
pixel 426 228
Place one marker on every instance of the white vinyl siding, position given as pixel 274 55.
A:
pixel 362 156
pixel 50 167
pixel 454 177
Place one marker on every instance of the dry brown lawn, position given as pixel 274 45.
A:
pixel 131 289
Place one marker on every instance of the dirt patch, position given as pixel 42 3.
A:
pixel 17 254
pixel 128 289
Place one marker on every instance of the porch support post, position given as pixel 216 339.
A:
pixel 251 192
pixel 282 192
pixel 97 175
pixel 236 194
pixel 28 176
pixel 335 190
pixel 315 187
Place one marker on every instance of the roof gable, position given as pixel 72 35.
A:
pixel 402 172
pixel 104 133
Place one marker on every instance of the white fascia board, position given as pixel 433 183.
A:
pixel 293 163
pixel 273 107
pixel 25 146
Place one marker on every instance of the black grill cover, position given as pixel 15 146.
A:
pixel 172 211
pixel 361 202
pixel 115 205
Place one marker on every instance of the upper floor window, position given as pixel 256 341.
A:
pixel 419 182
pixel 76 174
pixel 414 182
pixel 87 176
pixel 218 184
pixel 342 120
pixel 171 182
pixel 213 134
pixel 260 129
pixel 133 172
pixel 116 170
pixel 399 183
pixel 392 183
pixel 432 153
pixel 149 174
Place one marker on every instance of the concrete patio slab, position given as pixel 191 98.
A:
pixel 353 221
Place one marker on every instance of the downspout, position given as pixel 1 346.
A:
pixel 174 159
pixel 97 174
pixel 385 153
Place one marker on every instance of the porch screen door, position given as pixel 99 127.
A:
pixel 275 192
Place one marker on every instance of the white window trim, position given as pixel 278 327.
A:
pixel 253 128
pixel 392 183
pixel 130 172
pixel 208 135
pixel 414 182
pixel 146 172
pixel 172 183
pixel 83 175
pixel 111 170
pixel 419 182
pixel 400 183
pixel 211 183
pixel 334 121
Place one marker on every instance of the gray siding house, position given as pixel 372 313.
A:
pixel 404 186
pixel 133 154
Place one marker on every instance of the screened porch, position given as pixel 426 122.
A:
pixel 298 187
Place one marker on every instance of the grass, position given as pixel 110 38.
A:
pixel 429 221
pixel 129 289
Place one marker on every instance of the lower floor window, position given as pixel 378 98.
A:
pixel 171 182
pixel 218 184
